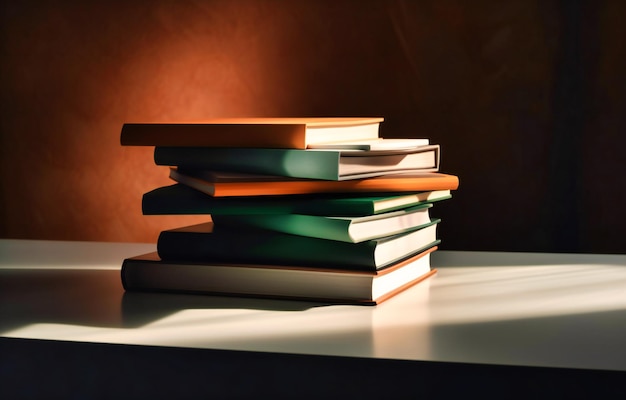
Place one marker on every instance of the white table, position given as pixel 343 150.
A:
pixel 562 311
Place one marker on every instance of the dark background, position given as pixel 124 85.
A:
pixel 526 98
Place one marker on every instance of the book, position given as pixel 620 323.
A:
pixel 327 164
pixel 342 228
pixel 207 242
pixel 373 144
pixel 150 273
pixel 179 199
pixel 286 133
pixel 215 183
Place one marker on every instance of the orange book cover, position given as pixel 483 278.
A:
pixel 290 133
pixel 218 185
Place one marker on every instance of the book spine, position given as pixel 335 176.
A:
pixel 179 199
pixel 311 164
pixel 174 200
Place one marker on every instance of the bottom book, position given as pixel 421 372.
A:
pixel 149 273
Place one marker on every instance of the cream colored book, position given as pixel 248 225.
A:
pixel 378 144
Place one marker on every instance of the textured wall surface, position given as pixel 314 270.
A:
pixel 527 99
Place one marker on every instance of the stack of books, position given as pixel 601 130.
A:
pixel 311 208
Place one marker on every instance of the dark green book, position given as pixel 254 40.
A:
pixel 179 199
pixel 345 229
pixel 326 164
pixel 203 243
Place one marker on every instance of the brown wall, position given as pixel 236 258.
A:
pixel 525 97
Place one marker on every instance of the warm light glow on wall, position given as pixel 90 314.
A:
pixel 76 74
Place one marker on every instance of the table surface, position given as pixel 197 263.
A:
pixel 522 309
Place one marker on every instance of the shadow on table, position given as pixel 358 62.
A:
pixel 88 297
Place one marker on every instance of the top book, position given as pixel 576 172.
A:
pixel 286 133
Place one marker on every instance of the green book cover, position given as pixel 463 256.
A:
pixel 179 199
pixel 324 164
pixel 206 243
pixel 345 229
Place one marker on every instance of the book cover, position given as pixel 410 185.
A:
pixel 287 133
pixel 149 272
pixel 342 228
pixel 208 243
pixel 221 184
pixel 179 199
pixel 329 164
